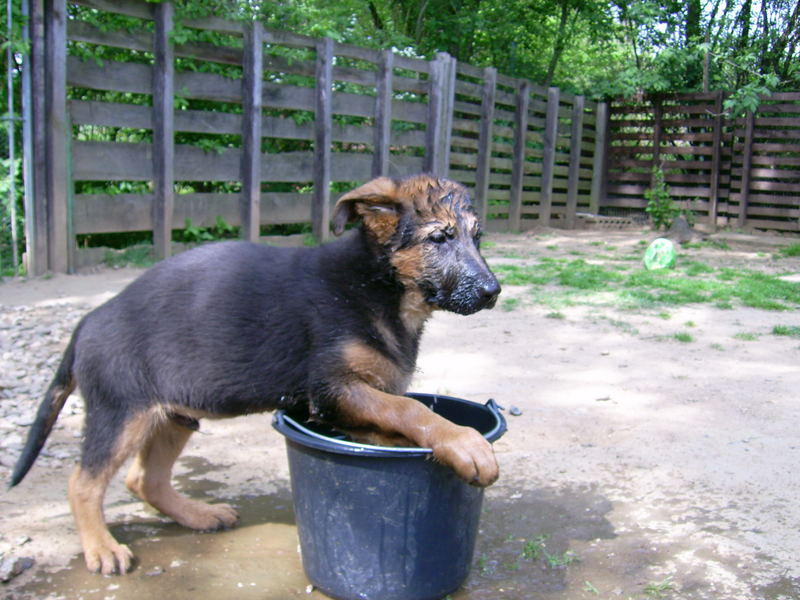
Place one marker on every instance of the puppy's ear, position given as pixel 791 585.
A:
pixel 377 203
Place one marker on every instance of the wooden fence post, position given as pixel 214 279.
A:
pixel 321 202
pixel 518 160
pixel 163 132
pixel 716 163
pixel 36 108
pixel 434 124
pixel 747 163
pixel 250 199
pixel 383 114
pixel 448 107
pixel 441 89
pixel 657 116
pixel 549 160
pixel 576 137
pixel 598 161
pixel 56 131
pixel 483 167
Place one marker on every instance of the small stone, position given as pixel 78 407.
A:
pixel 515 411
pixel 11 566
pixel 154 572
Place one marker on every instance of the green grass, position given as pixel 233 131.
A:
pixel 746 337
pixel 558 282
pixel 683 337
pixel 787 330
pixel 787 251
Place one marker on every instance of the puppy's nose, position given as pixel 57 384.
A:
pixel 490 290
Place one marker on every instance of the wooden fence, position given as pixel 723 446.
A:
pixel 739 172
pixel 301 117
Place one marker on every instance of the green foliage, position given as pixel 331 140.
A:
pixel 660 206
pixel 192 233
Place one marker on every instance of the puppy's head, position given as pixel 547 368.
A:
pixel 429 232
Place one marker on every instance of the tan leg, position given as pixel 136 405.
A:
pixel 101 551
pixel 87 488
pixel 462 448
pixel 150 479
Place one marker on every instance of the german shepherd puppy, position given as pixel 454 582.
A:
pixel 233 328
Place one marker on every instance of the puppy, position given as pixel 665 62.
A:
pixel 233 328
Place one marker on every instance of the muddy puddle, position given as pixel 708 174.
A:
pixel 530 546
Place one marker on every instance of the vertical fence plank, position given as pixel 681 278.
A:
pixel 321 203
pixel 747 163
pixel 576 137
pixel 250 200
pixel 518 161
pixel 163 131
pixel 383 114
pixel 716 163
pixel 599 159
pixel 56 132
pixel 448 107
pixel 657 116
pixel 433 130
pixel 549 160
pixel 483 166
pixel 36 105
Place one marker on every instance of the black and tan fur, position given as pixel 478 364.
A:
pixel 234 328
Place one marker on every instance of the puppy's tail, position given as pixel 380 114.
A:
pixel 60 388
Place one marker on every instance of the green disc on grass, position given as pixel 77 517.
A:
pixel 660 254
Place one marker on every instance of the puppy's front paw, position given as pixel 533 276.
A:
pixel 108 557
pixel 469 454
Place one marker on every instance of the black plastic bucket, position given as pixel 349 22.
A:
pixel 384 523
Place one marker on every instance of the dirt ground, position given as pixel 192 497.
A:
pixel 641 466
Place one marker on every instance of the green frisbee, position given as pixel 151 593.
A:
pixel 660 254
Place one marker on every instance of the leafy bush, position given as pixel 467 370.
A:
pixel 660 206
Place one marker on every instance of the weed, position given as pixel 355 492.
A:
pixel 718 347
pixel 690 324
pixel 555 315
pixel 787 251
pixel 560 560
pixel 683 337
pixel 787 330
pixel 510 304
pixel 746 337
pixel 534 549
pixel 657 590
pixel 552 247
pixel 660 207
pixel 588 587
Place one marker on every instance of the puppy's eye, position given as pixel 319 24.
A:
pixel 438 236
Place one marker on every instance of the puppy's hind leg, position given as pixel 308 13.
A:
pixel 109 440
pixel 150 478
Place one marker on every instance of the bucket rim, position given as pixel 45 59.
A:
pixel 300 434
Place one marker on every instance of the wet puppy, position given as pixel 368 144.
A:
pixel 233 328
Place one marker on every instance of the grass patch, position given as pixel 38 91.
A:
pixel 786 330
pixel 746 337
pixel 683 337
pixel 787 251
pixel 555 315
pixel 510 304
pixel 561 281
